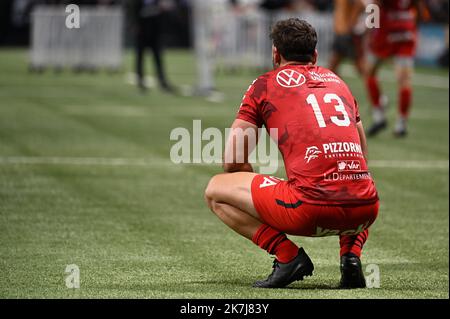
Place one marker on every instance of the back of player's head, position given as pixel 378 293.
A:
pixel 294 39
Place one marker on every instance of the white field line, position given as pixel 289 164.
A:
pixel 108 111
pixel 419 79
pixel 131 78
pixel 89 161
pixel 107 161
pixel 409 164
pixel 136 111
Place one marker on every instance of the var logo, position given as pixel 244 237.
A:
pixel 346 166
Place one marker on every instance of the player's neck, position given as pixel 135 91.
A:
pixel 284 63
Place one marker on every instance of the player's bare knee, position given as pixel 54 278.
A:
pixel 208 196
pixel 211 192
pixel 404 77
pixel 369 72
pixel 404 81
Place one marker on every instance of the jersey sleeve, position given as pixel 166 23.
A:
pixel 250 109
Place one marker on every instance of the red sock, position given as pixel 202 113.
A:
pixel 275 243
pixel 374 91
pixel 405 101
pixel 354 243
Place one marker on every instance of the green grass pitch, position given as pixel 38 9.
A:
pixel 143 231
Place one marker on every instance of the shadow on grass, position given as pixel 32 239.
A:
pixel 227 285
pixel 249 283
pixel 313 286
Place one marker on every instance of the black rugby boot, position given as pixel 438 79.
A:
pixel 284 274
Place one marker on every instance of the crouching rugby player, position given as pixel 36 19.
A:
pixel 329 190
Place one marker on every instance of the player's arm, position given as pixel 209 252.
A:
pixel 240 144
pixel 358 8
pixel 243 136
pixel 362 139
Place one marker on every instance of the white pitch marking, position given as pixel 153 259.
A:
pixel 427 164
pixel 131 78
pixel 108 111
pixel 101 161
pixel 109 161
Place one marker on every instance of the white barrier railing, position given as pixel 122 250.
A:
pixel 242 40
pixel 96 44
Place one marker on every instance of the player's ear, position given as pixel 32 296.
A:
pixel 276 57
pixel 315 57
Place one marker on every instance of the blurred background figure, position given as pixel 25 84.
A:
pixel 148 18
pixel 349 31
pixel 202 29
pixel 395 38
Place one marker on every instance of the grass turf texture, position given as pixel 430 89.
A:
pixel 145 232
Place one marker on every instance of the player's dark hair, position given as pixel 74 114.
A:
pixel 295 39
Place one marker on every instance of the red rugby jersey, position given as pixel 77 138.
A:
pixel 316 115
pixel 397 15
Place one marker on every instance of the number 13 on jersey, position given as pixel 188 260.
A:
pixel 339 107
